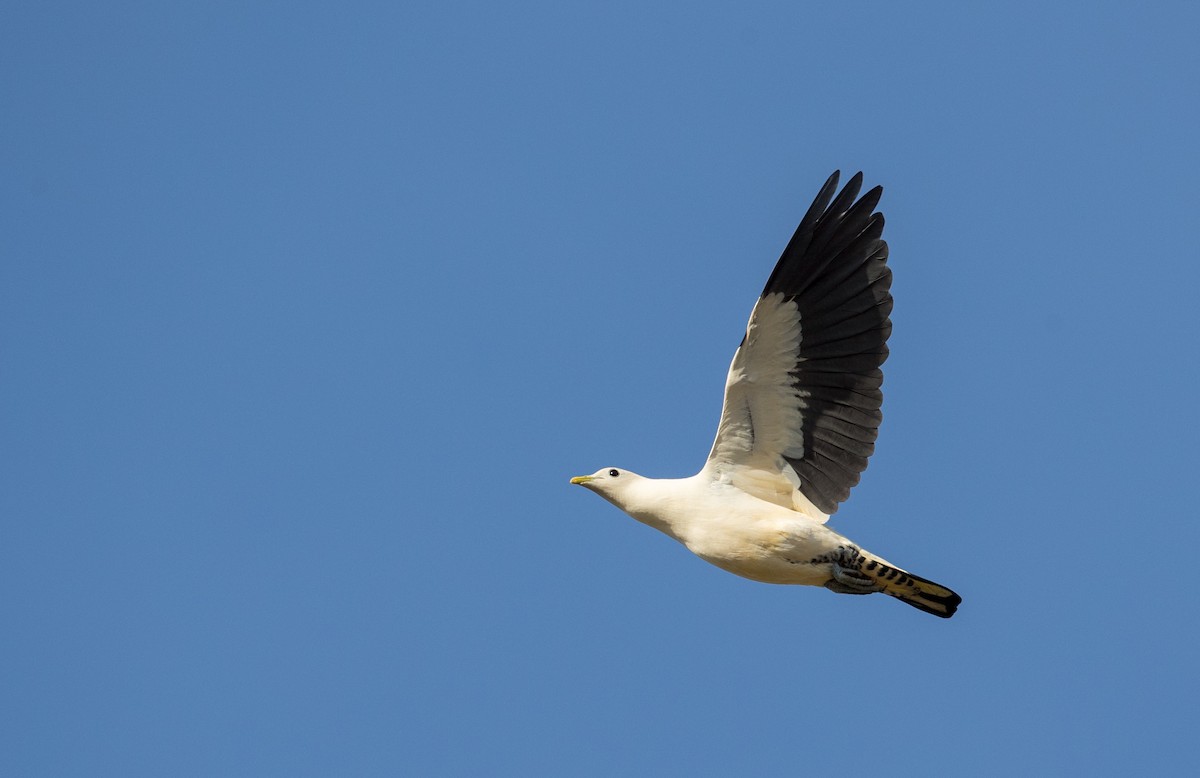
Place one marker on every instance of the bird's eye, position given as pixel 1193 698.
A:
pixel 614 473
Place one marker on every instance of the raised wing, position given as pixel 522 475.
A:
pixel 803 395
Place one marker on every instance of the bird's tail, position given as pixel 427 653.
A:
pixel 860 572
pixel 921 593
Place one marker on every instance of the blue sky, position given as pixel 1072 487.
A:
pixel 307 314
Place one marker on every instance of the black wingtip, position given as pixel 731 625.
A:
pixel 821 201
pixel 829 209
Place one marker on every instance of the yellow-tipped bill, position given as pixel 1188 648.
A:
pixel 582 479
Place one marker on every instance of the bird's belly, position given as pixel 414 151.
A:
pixel 778 558
pixel 774 571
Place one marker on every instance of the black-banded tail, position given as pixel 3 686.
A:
pixel 921 593
pixel 860 572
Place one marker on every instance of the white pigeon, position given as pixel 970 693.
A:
pixel 800 420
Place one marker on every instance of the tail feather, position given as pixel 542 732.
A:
pixel 921 593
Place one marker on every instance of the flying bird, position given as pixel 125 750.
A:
pixel 801 414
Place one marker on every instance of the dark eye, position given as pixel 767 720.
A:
pixel 614 473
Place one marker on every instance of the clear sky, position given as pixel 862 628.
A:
pixel 308 312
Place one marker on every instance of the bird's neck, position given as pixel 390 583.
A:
pixel 659 503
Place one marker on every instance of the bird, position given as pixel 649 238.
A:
pixel 801 414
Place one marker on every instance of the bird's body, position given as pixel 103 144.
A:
pixel 800 418
pixel 744 535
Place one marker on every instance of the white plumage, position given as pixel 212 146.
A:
pixel 801 413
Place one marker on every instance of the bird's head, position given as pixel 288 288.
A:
pixel 611 483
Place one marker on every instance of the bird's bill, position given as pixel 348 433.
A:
pixel 580 480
